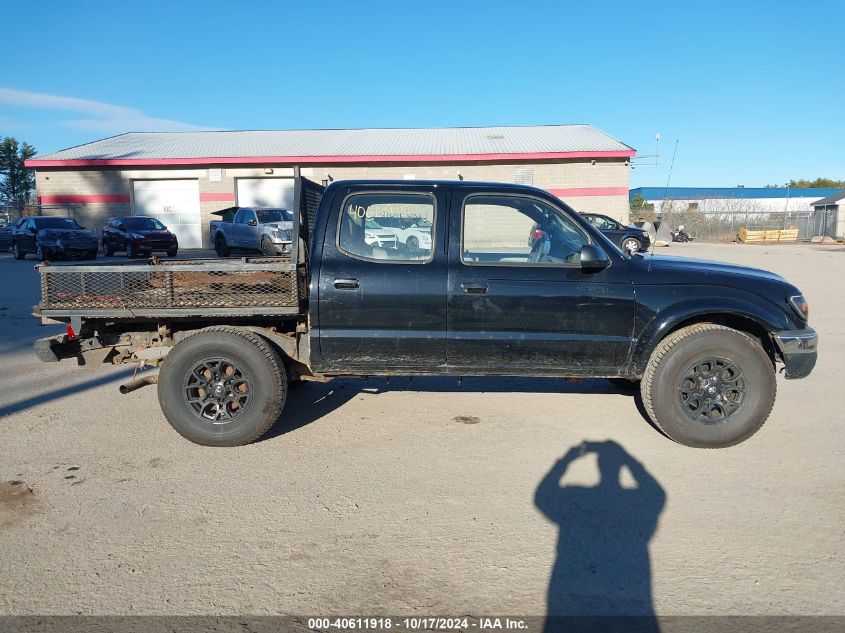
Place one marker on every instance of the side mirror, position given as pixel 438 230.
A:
pixel 252 223
pixel 593 258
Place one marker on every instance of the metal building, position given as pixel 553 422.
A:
pixel 182 177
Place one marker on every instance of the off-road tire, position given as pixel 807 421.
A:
pixel 221 248
pixel 131 253
pixel 680 350
pixel 17 252
pixel 107 250
pixel 40 254
pixel 412 244
pixel 254 355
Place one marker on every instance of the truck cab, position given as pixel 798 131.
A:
pixel 500 285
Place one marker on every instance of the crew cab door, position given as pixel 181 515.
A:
pixel 519 301
pixel 381 308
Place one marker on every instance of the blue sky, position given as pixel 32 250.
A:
pixel 754 92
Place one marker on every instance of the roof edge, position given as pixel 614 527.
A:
pixel 311 160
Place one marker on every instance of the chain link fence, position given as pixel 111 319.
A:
pixel 720 220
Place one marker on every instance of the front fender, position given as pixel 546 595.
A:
pixel 660 309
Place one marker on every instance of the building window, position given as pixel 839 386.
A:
pixel 523 175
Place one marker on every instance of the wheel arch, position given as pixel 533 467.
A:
pixel 748 319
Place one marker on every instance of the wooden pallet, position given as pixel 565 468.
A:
pixel 772 236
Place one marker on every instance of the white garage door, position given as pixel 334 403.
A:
pixel 176 203
pixel 265 192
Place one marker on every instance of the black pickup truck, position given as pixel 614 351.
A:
pixel 513 282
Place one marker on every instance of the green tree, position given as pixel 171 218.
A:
pixel 824 183
pixel 639 203
pixel 17 183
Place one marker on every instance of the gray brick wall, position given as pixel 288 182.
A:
pixel 118 182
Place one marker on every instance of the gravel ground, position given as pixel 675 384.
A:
pixel 420 497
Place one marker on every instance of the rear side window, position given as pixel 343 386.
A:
pixel 361 235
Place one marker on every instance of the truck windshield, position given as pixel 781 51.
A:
pixel 57 223
pixel 266 216
pixel 143 224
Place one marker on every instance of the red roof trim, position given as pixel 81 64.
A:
pixel 118 198
pixel 376 158
pixel 217 197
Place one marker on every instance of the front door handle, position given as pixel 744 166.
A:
pixel 346 284
pixel 474 289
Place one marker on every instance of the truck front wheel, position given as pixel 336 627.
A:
pixel 222 386
pixel 709 386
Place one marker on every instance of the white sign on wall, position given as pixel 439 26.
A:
pixel 176 203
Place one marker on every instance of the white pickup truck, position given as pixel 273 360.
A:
pixel 414 233
pixel 267 231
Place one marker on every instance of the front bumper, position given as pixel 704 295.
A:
pixel 69 250
pixel 799 351
pixel 281 248
pixel 151 246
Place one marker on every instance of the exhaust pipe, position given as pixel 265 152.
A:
pixel 137 383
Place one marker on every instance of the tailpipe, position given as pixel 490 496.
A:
pixel 137 383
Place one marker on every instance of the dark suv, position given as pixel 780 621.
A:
pixel 629 238
pixel 138 235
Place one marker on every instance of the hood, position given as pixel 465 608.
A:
pixel 65 233
pixel 669 270
pixel 153 232
pixel 279 225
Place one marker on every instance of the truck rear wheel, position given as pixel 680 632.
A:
pixel 222 387
pixel 221 248
pixel 709 386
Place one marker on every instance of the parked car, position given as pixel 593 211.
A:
pixel 138 235
pixel 266 231
pixel 702 339
pixel 52 238
pixel 376 235
pixel 6 234
pixel 630 238
pixel 413 233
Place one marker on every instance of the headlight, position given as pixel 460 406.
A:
pixel 281 234
pixel 800 306
pixel 645 233
pixel 134 236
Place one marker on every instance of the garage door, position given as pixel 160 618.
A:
pixel 265 192
pixel 176 203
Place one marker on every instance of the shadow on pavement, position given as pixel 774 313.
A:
pixel 310 401
pixel 601 579
pixel 55 394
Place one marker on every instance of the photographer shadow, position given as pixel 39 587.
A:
pixel 601 579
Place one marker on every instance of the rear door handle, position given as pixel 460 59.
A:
pixel 474 289
pixel 346 284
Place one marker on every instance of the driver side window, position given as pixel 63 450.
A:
pixel 518 230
